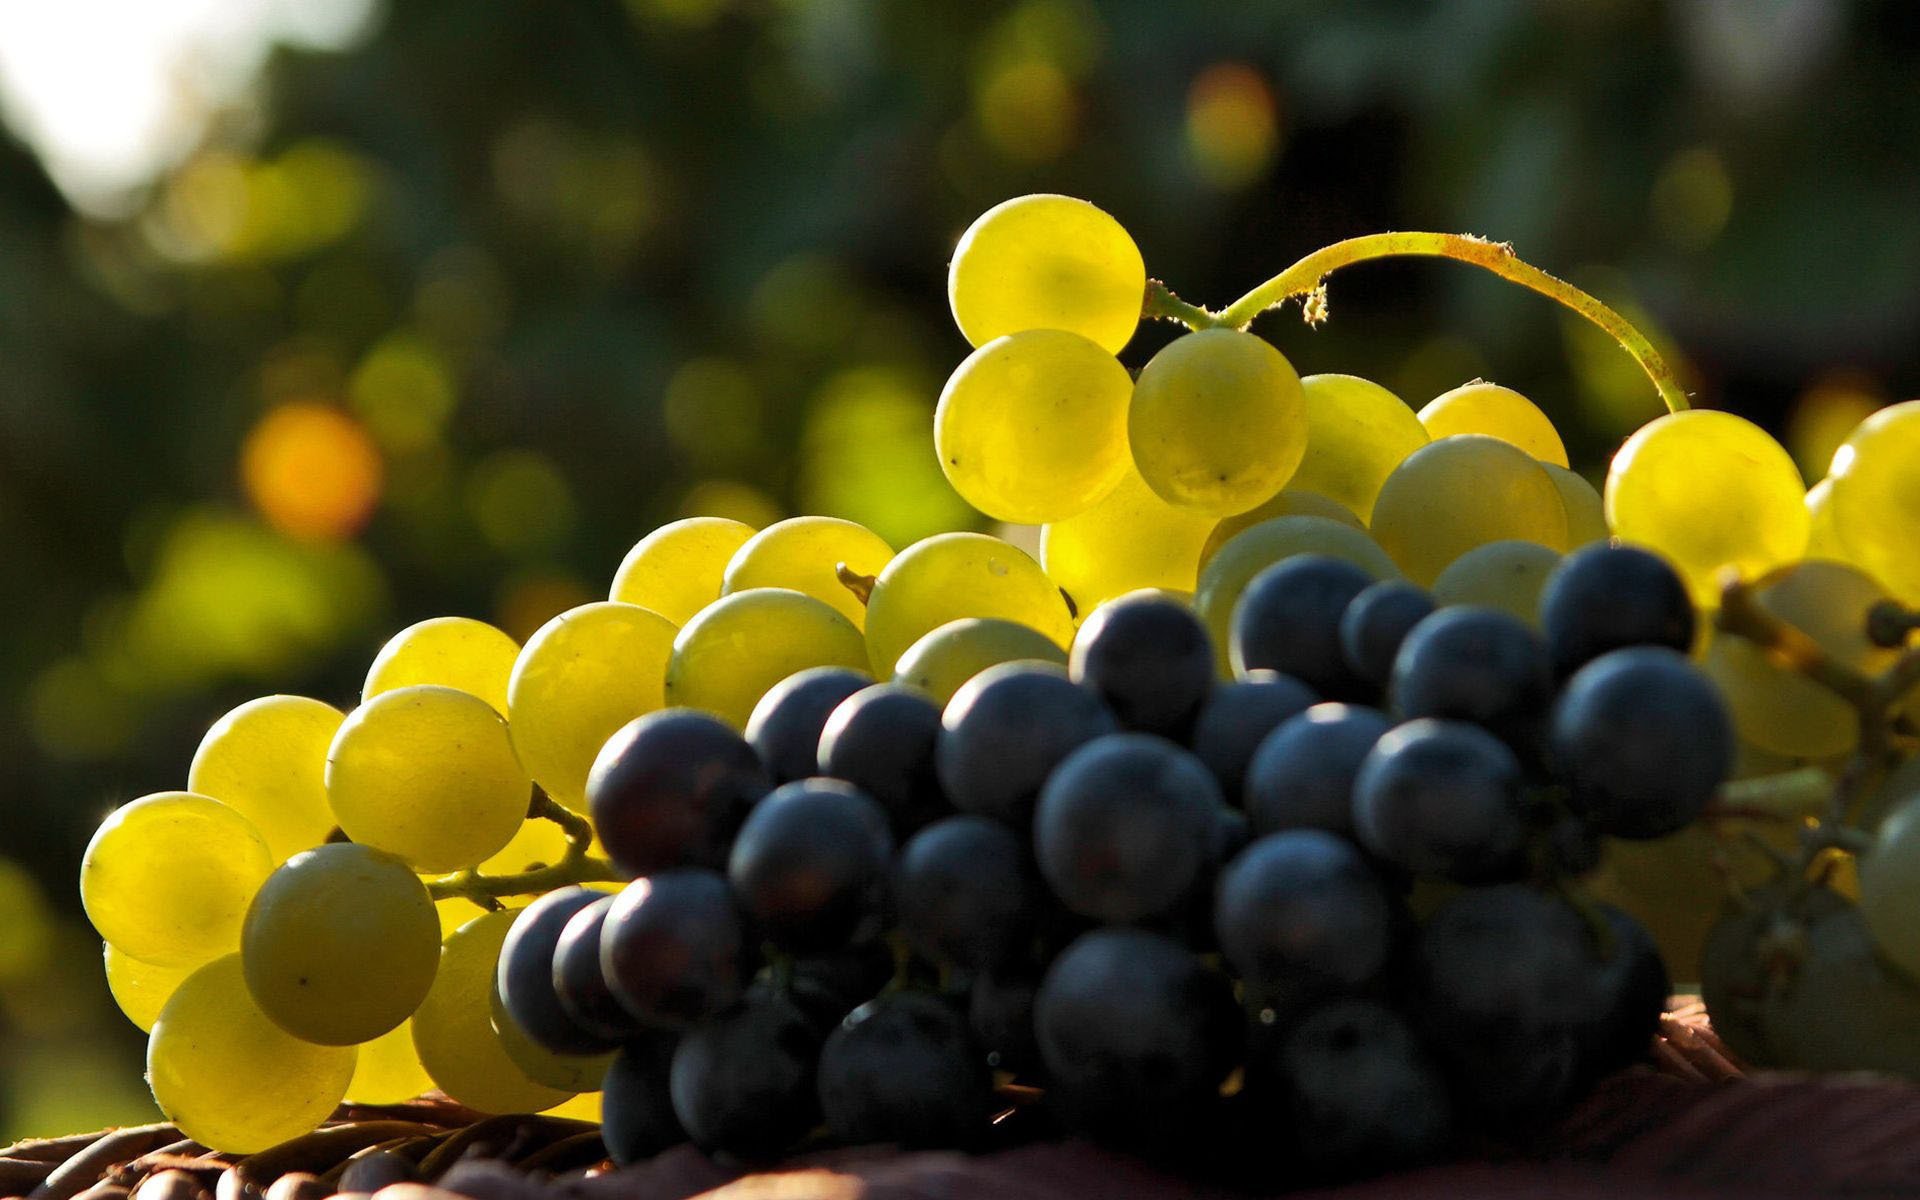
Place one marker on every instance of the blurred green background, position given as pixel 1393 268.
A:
pixel 319 318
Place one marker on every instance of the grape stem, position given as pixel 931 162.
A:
pixel 860 585
pixel 575 866
pixel 1307 278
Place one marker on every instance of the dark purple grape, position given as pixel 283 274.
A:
pixel 1604 597
pixel 1149 658
pixel 1631 986
pixel 674 948
pixel 1237 717
pixel 578 980
pixel 1376 622
pixel 964 892
pixel 1288 620
pixel 903 1070
pixel 636 1102
pixel 744 1085
pixel 784 729
pixel 669 790
pixel 1005 731
pixel 1443 798
pixel 1301 916
pixel 525 977
pixel 881 740
pixel 810 865
pixel 1302 775
pixel 1474 664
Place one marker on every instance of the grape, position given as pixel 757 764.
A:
pixel 1506 576
pixel 1876 497
pixel 1047 262
pixel 1148 658
pixel 1288 620
pixel 168 877
pixel 726 658
pixel 1586 512
pixel 540 843
pixel 1357 433
pixel 1032 427
pixel 1301 916
pixel 1124 826
pixel 1460 492
pixel 1642 740
pixel 1218 421
pixel 902 1069
pixel 455 652
pixel 267 760
pixel 671 788
pixel 578 980
pixel 784 728
pixel 1129 539
pixel 805 555
pixel 1845 1010
pixel 1000 1013
pixel 567 1072
pixel 1889 887
pixel 810 865
pixel 453 1030
pixel 881 740
pixel 340 944
pixel 1473 664
pixel 1301 777
pixel 745 1085
pixel 939 663
pixel 1248 553
pixel 1823 539
pixel 427 774
pixel 583 675
pixel 1603 598
pixel 673 948
pixel 1442 798
pixel 1708 490
pixel 1488 408
pixel 677 569
pixel 1288 502
pixel 964 894
pixel 1630 988
pixel 1377 622
pixel 387 1069
pixel 524 978
pixel 636 1118
pixel 1237 717
pixel 1004 733
pixel 954 575
pixel 140 989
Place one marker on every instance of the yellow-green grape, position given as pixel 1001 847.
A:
pixel 455 652
pixel 1495 411
pixel 584 1107
pixel 1460 492
pixel 1357 433
pixel 453 1029
pixel 804 554
pixel 1876 497
pixel 427 773
pixel 1047 262
pixel 1218 422
pixel 1890 887
pixel 455 911
pixel 676 570
pixel 229 1077
pixel 1823 540
pixel 581 677
pixel 1503 575
pixel 1708 490
pixel 939 663
pixel 140 988
pixel 540 843
pixel 741 645
pixel 341 944
pixel 168 878
pixel 267 760
pixel 1032 427
pixel 388 1070
pixel 1780 709
pixel 1253 550
pixel 1586 514
pixel 953 575
pixel 1289 503
pixel 1131 539
pixel 567 1072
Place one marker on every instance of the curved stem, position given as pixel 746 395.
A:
pixel 1162 305
pixel 575 866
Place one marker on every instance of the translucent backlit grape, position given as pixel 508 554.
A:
pixel 939 663
pixel 388 1069
pixel 1890 887
pixel 1503 575
pixel 168 878
pixel 954 575
pixel 1497 412
pixel 1047 262
pixel 1130 539
pixel 1289 503
pixel 540 843
pixel 1219 421
pixel 1032 427
pixel 804 553
pixel 1586 514
pixel 141 989
pixel 455 652
pixel 676 570
pixel 736 648
pixel 1823 540
pixel 1460 492
pixel 267 760
pixel 1251 551
pixel 453 1029
pixel 1357 433
pixel 1876 497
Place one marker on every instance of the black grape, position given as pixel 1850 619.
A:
pixel 1473 664
pixel 1005 731
pixel 525 976
pixel 670 788
pixel 784 729
pixel 673 947
pixel 1237 717
pixel 636 1101
pixel 881 740
pixel 1604 597
pixel 810 865
pixel 1376 622
pixel 744 1085
pixel 1302 775
pixel 903 1069
pixel 578 980
pixel 1150 658
pixel 1288 620
pixel 1631 986
pixel 1000 1013
pixel 829 986
pixel 1642 739
pixel 1443 798
pixel 1301 915
pixel 964 893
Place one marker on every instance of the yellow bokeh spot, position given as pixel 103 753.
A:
pixel 1692 198
pixel 403 389
pixel 807 302
pixel 594 191
pixel 1027 110
pixel 520 501
pixel 1825 414
pixel 733 500
pixel 864 456
pixel 76 712
pixel 223 206
pixel 713 411
pixel 527 602
pixel 311 471
pixel 1233 124
pixel 26 925
pixel 689 14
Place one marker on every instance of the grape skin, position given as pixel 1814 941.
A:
pixel 267 760
pixel 140 989
pixel 455 652
pixel 741 645
pixel 1224 579
pixel 954 575
pixel 1288 502
pixel 1047 262
pixel 1488 408
pixel 1129 539
pixel 677 569
pixel 1149 658
pixel 1463 491
pixel 785 727
pixel 1875 499
pixel 453 1030
pixel 1288 620
pixel 1004 733
pixel 1237 717
pixel 945 659
pixel 805 554
pixel 671 788
pixel 1507 576
pixel 1357 433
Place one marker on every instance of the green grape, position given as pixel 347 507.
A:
pixel 1253 550
pixel 229 1077
pixel 1586 514
pixel 1676 885
pixel 1219 421
pixel 676 570
pixel 168 878
pixel 1876 497
pixel 954 575
pixel 428 774
pixel 939 663
pixel 455 911
pixel 584 1107
pixel 1845 1009
pixel 1742 963
pixel 1289 503
pixel 1047 262
pixel 1778 708
pixel 1899 787
pixel 1032 427
pixel 1708 490
pixel 1495 411
pixel 741 645
pixel 1357 433
pixel 267 760
pixel 1460 492
pixel 1130 539
pixel 1503 575
pixel 340 944
pixel 453 1029
pixel 567 1072
pixel 540 843
pixel 1823 540
pixel 140 988
pixel 1890 887
pixel 388 1070
pixel 581 677
pixel 804 554
pixel 455 652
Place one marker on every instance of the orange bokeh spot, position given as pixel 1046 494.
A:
pixel 312 471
